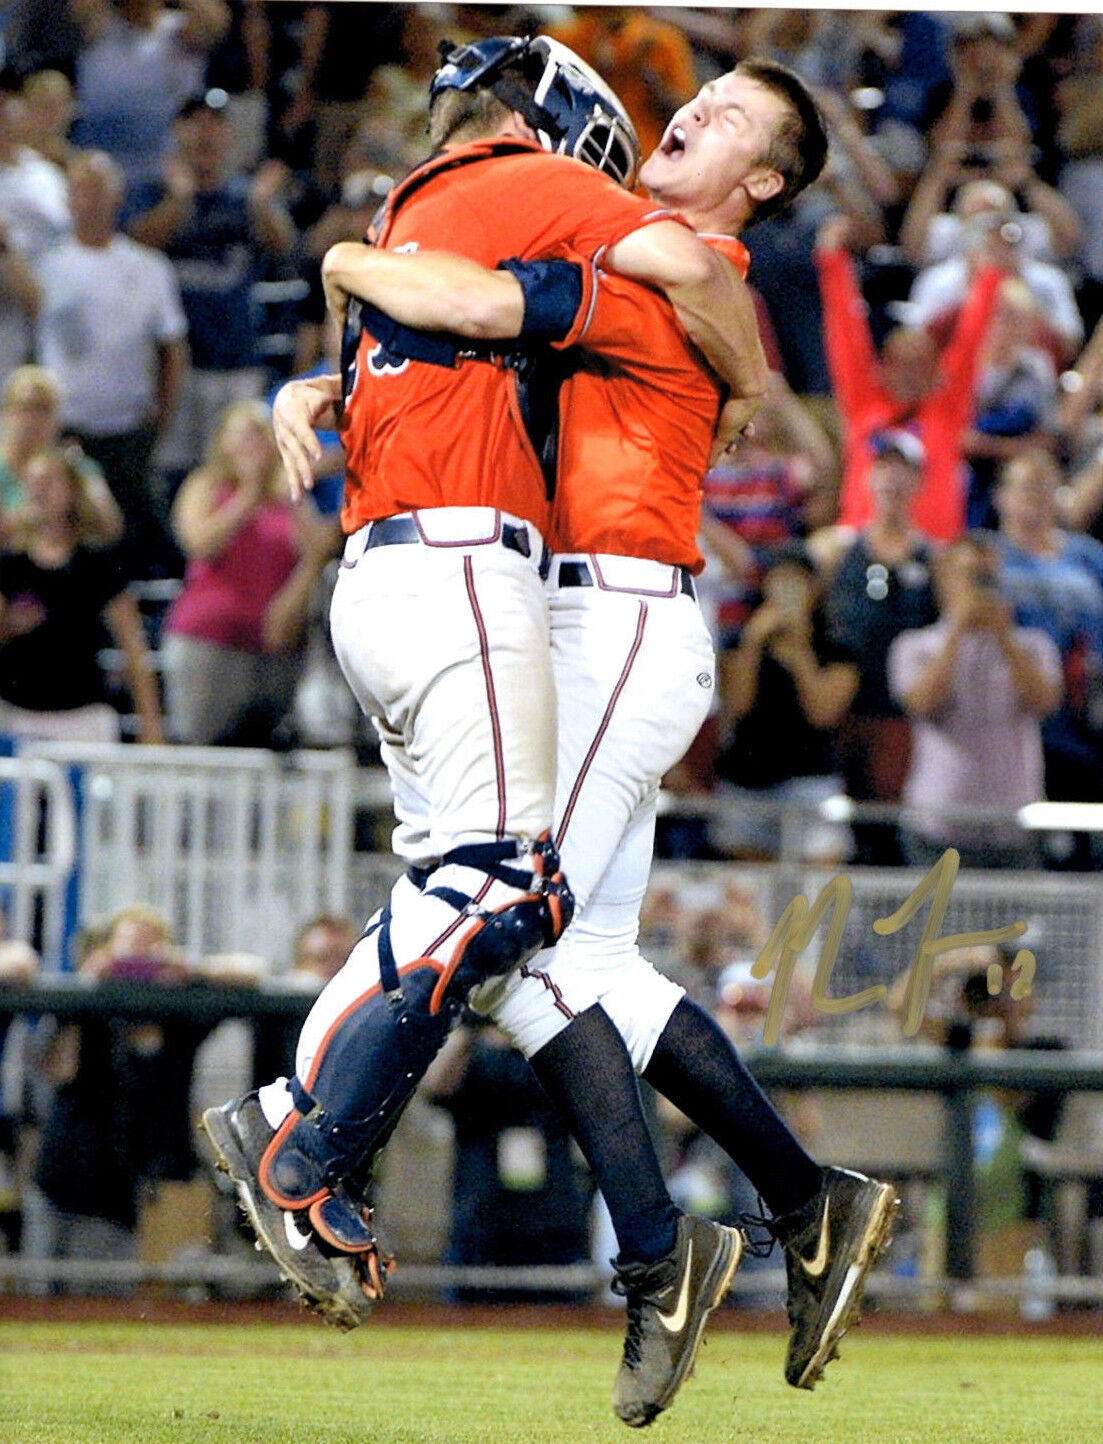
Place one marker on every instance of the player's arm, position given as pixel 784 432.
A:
pixel 437 291
pixel 428 290
pixel 709 298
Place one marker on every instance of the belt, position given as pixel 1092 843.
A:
pixel 581 574
pixel 404 530
pixel 400 530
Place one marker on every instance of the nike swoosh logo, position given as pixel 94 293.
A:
pixel 815 1265
pixel 674 1323
pixel 295 1236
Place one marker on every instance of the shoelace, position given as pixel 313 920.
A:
pixel 758 1247
pixel 633 1338
pixel 637 1284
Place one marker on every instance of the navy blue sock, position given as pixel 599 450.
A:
pixel 587 1073
pixel 695 1066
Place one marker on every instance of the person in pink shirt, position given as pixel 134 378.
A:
pixel 232 645
pixel 911 386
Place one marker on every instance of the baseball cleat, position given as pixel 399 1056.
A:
pixel 668 1306
pixel 830 1245
pixel 340 1286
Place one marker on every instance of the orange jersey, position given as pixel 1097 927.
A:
pixel 420 435
pixel 637 427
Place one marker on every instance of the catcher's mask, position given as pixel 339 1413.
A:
pixel 567 103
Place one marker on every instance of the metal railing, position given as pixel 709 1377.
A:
pixel 954 1076
pixel 236 846
pixel 36 864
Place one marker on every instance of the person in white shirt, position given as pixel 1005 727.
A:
pixel 998 237
pixel 34 217
pixel 112 330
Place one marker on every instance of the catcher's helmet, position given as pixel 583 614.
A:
pixel 567 103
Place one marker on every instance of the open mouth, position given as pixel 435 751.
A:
pixel 674 142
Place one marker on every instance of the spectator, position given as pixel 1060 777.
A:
pixel 53 591
pixel 880 585
pixel 1080 503
pixel 976 688
pixel 1054 581
pixel 995 238
pixel 757 497
pixel 111 330
pixel 140 62
pixel 232 637
pixel 1080 418
pixel 870 172
pixel 783 690
pixel 339 47
pixel 1016 398
pixel 395 98
pixel 29 423
pixel 117 1124
pixel 322 946
pixel 1011 1199
pixel 912 385
pixel 983 107
pixel 218 231
pixel 34 217
pixel 48 110
pixel 241 65
pixel 1080 137
pixel 929 235
pixel 42 34
pixel 513 1161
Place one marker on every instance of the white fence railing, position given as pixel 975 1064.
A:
pixel 36 862
pixel 237 847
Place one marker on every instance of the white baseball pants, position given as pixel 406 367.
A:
pixel 634 672
pixel 444 643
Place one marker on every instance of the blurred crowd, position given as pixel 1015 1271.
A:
pixel 905 558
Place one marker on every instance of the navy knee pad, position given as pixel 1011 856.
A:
pixel 524 906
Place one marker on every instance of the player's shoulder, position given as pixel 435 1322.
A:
pixel 730 248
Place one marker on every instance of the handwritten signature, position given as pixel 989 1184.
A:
pixel 799 922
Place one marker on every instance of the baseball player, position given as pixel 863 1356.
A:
pixel 633 666
pixel 439 619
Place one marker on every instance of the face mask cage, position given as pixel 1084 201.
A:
pixel 604 144
pixel 580 122
pixel 566 105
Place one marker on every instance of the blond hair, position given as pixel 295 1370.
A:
pixel 85 516
pixel 220 462
pixel 29 383
pixel 145 913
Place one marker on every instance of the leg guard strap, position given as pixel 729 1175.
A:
pixel 363 1081
pixel 502 936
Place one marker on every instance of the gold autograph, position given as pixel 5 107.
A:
pixel 799 922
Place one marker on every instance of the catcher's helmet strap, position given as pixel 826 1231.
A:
pixel 513 94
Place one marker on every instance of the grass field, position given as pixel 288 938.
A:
pixel 135 1383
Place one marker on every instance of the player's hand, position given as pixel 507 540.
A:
pixel 319 536
pixel 733 426
pixel 296 412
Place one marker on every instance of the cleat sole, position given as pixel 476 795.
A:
pixel 230 1160
pixel 876 1239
